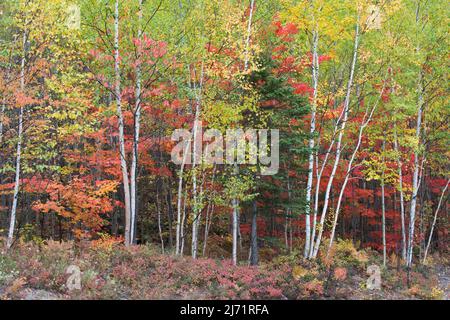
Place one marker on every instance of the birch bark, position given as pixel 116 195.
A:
pixel 235 202
pixel 315 80
pixel 339 141
pixel 118 94
pixel 137 119
pixel 434 221
pixel 366 120
pixel 402 198
pixel 12 222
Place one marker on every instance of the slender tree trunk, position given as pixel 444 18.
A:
pixel 2 115
pixel 249 34
pixel 197 159
pixel 315 80
pixel 183 219
pixel 209 215
pixel 158 209
pixel 339 142
pixel 169 211
pixel 19 149
pixel 402 199
pixel 415 182
pixel 137 119
pixel 319 174
pixel 317 190
pixel 123 161
pixel 383 206
pixel 254 236
pixel 235 202
pixel 208 222
pixel 434 222
pixel 366 120
pixel 180 220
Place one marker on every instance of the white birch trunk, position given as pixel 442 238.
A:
pixel 137 119
pixel 339 142
pixel 315 80
pixel 366 120
pixel 415 182
pixel 235 202
pixel 197 146
pixel 118 94
pixel 434 221
pixel 183 219
pixel 12 222
pixel 415 187
pixel 402 199
pixel 319 174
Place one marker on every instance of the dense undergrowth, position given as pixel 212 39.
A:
pixel 112 271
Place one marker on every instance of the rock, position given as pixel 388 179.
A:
pixel 37 294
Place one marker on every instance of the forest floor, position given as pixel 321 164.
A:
pixel 111 271
pixel 443 273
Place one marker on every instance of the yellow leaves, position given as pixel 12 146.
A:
pixel 65 114
pixel 230 44
pixel 67 170
pixel 221 114
pixel 299 272
pixel 106 187
pixel 106 242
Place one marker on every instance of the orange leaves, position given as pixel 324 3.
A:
pixel 50 206
pixel 79 201
pixel 23 100
pixel 105 187
pixel 331 114
pixel 340 274
pixel 106 242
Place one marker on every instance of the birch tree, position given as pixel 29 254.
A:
pixel 364 123
pixel 415 181
pixel 434 221
pixel 137 120
pixel 122 152
pixel 19 145
pixel 314 253
pixel 402 197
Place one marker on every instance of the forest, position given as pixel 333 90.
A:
pixel 328 176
